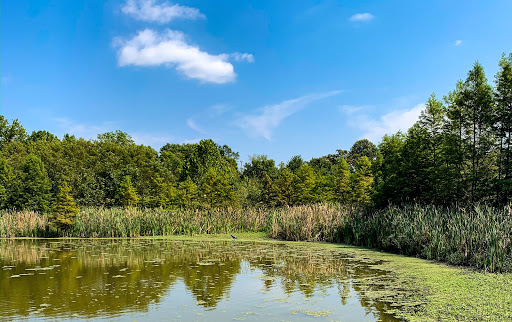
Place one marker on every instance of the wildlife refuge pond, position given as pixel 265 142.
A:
pixel 193 280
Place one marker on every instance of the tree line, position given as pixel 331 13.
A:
pixel 459 151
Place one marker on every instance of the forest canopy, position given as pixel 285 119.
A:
pixel 459 151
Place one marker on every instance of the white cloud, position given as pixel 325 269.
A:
pixel 150 11
pixel 149 48
pixel 263 123
pixel 399 120
pixel 363 17
pixel 458 42
pixel 243 57
pixel 195 127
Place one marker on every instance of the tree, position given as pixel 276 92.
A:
pixel 476 100
pixel 269 192
pixel 432 121
pixel 362 181
pixel 503 127
pixel 187 193
pixel 65 210
pixel 216 189
pixel 6 180
pixel 455 147
pixel 295 163
pixel 361 148
pixel 34 192
pixel 285 186
pixel 303 184
pixel 258 166
pixel 12 132
pixel 390 189
pixel 127 196
pixel 117 137
pixel 343 192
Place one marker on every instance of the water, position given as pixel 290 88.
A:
pixel 166 280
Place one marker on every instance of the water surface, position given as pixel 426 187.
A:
pixel 166 280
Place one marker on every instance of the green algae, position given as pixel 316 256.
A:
pixel 313 313
pixel 417 289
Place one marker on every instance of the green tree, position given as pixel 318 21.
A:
pixel 342 190
pixel 34 191
pixel 295 163
pixel 503 127
pixel 11 132
pixel 477 102
pixel 269 192
pixel 127 196
pixel 303 184
pixel 188 193
pixel 391 178
pixel 65 210
pixel 285 186
pixel 6 180
pixel 431 122
pixel 217 190
pixel 362 181
pixel 361 148
pixel 258 166
pixel 455 147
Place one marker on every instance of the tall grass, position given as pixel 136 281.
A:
pixel 480 236
pixel 134 222
pixel 22 224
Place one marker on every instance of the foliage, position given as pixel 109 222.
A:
pixel 64 211
pixel 127 195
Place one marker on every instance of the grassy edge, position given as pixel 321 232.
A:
pixel 445 292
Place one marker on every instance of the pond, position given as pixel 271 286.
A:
pixel 194 280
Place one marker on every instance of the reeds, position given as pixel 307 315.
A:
pixel 22 224
pixel 480 236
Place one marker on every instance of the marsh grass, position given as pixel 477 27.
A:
pixel 480 236
pixel 22 224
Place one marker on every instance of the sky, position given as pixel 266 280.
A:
pixel 279 78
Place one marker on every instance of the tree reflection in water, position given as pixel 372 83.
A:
pixel 106 278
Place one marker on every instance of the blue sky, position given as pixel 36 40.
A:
pixel 279 78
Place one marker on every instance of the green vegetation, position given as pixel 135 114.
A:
pixel 442 190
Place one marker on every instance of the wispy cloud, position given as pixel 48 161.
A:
pixel 458 42
pixel 263 123
pixel 170 48
pixel 192 124
pixel 243 57
pixel 361 17
pixel 351 109
pixel 398 120
pixel 151 11
pixel 219 109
